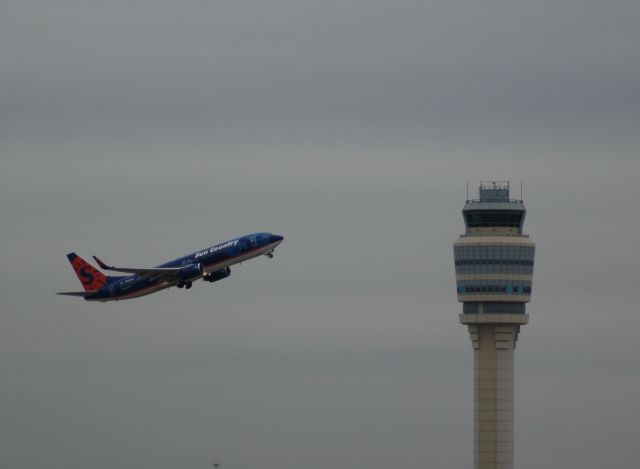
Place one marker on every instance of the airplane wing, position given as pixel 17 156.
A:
pixel 78 293
pixel 153 271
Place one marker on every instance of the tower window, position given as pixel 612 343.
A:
pixel 498 218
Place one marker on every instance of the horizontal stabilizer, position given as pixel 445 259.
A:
pixel 78 293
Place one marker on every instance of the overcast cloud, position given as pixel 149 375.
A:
pixel 140 131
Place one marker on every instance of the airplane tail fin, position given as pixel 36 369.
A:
pixel 90 277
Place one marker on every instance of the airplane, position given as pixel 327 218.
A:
pixel 210 264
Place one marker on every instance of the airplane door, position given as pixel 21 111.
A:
pixel 252 240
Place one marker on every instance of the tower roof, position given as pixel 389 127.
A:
pixel 494 208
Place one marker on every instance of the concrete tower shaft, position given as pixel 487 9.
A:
pixel 494 272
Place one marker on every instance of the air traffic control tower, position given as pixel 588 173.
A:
pixel 494 269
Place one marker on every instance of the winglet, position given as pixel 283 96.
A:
pixel 101 264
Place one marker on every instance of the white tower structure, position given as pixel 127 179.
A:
pixel 494 271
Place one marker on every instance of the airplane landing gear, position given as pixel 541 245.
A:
pixel 186 285
pixel 269 255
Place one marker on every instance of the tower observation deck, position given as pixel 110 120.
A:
pixel 494 271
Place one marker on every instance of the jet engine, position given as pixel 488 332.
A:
pixel 191 271
pixel 217 275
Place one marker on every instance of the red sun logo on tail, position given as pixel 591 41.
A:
pixel 90 277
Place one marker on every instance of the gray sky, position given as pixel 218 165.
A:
pixel 140 131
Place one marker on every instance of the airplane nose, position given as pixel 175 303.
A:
pixel 276 238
